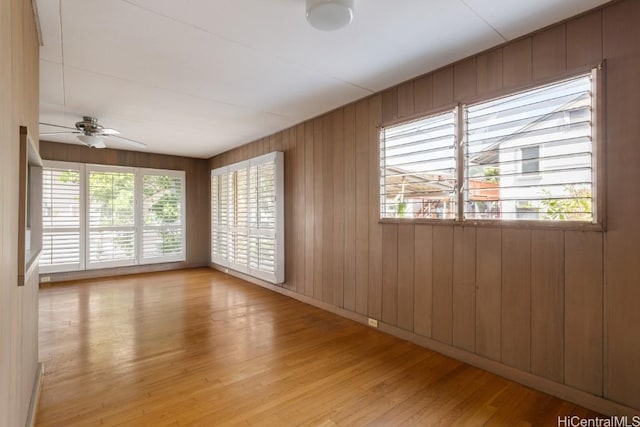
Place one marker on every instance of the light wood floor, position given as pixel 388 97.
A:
pixel 197 347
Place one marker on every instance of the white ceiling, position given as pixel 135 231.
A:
pixel 198 77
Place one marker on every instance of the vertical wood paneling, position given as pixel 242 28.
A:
pixel 289 200
pixel 423 94
pixel 423 280
pixel 527 298
pixel 583 311
pixel 488 292
pixel 516 63
pixel 547 304
pixel 389 105
pixel 318 205
pixel 18 306
pixel 406 99
pixel 362 206
pixel 443 87
pixel 328 201
pixel 310 211
pixel 375 231
pixel 390 273
pixel 549 52
pixel 489 71
pixel 621 33
pixel 584 40
pixel 406 268
pixel 464 80
pixel 350 207
pixel 299 209
pixel 516 298
pixel 464 288
pixel 338 239
pixel 442 284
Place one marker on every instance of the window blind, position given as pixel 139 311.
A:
pixel 418 168
pixel 247 229
pixel 111 222
pixel 61 219
pixel 162 215
pixel 530 155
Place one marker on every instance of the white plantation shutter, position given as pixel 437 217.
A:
pixel 98 216
pixel 163 215
pixel 247 213
pixel 61 218
pixel 111 217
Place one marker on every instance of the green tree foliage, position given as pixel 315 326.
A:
pixel 575 208
pixel 111 201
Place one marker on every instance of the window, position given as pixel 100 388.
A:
pixel 61 218
pixel 418 169
pixel 162 215
pixel 525 160
pixel 104 216
pixel 529 155
pixel 247 217
pixel 111 218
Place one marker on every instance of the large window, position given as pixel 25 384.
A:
pixel 525 156
pixel 104 216
pixel 247 217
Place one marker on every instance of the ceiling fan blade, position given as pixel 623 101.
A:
pixel 107 131
pixel 57 126
pixel 59 133
pixel 100 144
pixel 129 141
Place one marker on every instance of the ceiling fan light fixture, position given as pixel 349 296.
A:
pixel 329 15
pixel 92 141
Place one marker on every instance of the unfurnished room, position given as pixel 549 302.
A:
pixel 319 213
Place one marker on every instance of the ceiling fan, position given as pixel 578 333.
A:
pixel 92 134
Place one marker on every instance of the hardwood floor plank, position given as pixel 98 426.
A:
pixel 199 347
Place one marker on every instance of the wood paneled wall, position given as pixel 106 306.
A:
pixel 559 304
pixel 18 305
pixel 197 200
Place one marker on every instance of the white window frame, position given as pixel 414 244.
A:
pixel 142 172
pixel 135 227
pixel 138 259
pixel 277 158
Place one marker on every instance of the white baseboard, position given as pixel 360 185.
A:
pixel 35 396
pixel 590 401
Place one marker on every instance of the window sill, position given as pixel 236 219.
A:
pixel 518 224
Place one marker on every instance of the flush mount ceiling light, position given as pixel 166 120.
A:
pixel 329 15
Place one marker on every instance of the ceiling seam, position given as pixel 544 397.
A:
pixel 229 104
pixel 248 47
pixel 484 20
pixel 64 86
